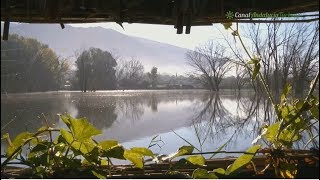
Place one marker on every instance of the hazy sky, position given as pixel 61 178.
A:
pixel 164 33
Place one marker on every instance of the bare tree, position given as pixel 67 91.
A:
pixel 288 52
pixel 130 73
pixel 306 60
pixel 210 64
pixel 241 76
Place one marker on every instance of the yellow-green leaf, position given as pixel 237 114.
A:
pixel 243 159
pixel 82 129
pixel 115 152
pixel 134 157
pixel 219 171
pixel 182 151
pixel 66 135
pixel 108 144
pixel 227 25
pixel 104 162
pixel 197 160
pixel 143 151
pixel 18 142
pixel 203 174
pixel 66 119
pixel 272 132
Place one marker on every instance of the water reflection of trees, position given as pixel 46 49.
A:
pixel 99 111
pixel 134 106
pixel 131 107
pixel 20 114
pixel 153 102
pixel 216 121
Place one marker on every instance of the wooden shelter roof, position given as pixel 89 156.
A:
pixel 169 12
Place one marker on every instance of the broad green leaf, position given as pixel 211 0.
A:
pixel 272 132
pixel 108 144
pixel 287 137
pixel 284 112
pixel 115 152
pixel 60 147
pixel 203 174
pixel 243 160
pixel 84 147
pixel 219 171
pixel 93 156
pixel 98 175
pixel 134 157
pixel 104 162
pixel 66 135
pixel 227 25
pixel 66 119
pixel 182 151
pixel 18 142
pixel 82 129
pixel 143 151
pixel 40 148
pixel 197 160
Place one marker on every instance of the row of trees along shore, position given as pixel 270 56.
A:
pixel 288 53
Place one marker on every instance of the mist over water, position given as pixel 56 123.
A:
pixel 134 117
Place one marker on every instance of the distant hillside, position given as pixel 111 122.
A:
pixel 168 58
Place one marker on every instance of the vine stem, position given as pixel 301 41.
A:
pixel 26 142
pixel 265 85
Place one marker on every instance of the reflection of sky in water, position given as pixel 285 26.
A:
pixel 134 117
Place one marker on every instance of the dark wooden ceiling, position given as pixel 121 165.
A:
pixel 170 12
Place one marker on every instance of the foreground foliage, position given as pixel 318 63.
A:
pixel 75 147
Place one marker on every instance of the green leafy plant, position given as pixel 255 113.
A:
pixel 73 148
pixel 294 117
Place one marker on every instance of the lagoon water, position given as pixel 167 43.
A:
pixel 133 117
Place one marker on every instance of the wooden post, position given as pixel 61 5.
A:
pixel 6 29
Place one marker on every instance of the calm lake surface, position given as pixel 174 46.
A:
pixel 205 119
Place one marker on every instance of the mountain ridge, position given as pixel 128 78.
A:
pixel 66 42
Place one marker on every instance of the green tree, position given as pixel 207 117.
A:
pixel 153 76
pixel 96 70
pixel 28 65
